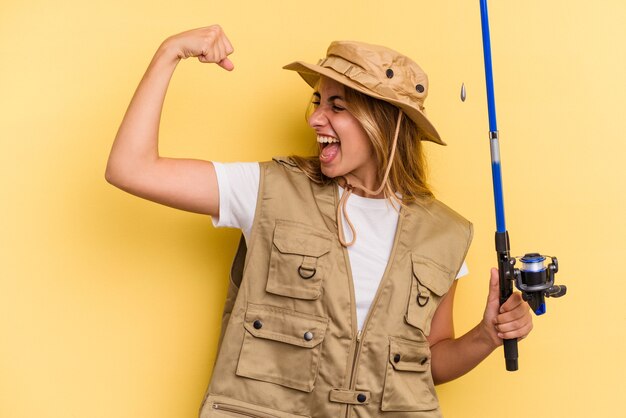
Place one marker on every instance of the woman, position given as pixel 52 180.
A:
pixel 345 303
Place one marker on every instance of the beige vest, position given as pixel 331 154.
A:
pixel 290 347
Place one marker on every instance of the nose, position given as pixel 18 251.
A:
pixel 318 118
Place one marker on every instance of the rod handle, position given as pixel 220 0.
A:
pixel 510 354
pixel 506 273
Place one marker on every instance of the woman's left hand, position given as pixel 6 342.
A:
pixel 511 320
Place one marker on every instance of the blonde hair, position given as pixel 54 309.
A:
pixel 408 172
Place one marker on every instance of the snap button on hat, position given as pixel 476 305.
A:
pixel 396 358
pixel 424 360
pixel 419 88
pixel 308 335
pixel 257 324
pixel 389 73
pixel 361 397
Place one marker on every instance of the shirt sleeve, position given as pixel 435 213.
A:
pixel 238 188
pixel 464 271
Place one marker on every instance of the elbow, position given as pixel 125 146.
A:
pixel 442 376
pixel 439 381
pixel 114 175
pixel 110 174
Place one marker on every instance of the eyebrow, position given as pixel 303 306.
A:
pixel 330 99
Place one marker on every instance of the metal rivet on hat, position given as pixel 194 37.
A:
pixel 308 335
pixel 396 358
pixel 424 360
pixel 420 88
pixel 361 397
pixel 257 324
pixel 389 73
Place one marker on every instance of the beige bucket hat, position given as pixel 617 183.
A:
pixel 378 72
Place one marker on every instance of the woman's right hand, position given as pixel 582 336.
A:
pixel 209 44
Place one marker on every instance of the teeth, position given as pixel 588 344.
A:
pixel 326 139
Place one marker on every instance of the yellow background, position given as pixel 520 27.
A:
pixel 110 305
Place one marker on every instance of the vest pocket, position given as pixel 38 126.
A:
pixel 297 265
pixel 221 406
pixel 281 346
pixel 429 283
pixel 408 383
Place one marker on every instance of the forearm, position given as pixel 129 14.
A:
pixel 136 142
pixel 453 357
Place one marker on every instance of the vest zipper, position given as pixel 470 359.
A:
pixel 361 333
pixel 357 352
pixel 355 360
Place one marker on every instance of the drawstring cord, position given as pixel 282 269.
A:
pixel 349 187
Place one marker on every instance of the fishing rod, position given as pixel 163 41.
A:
pixel 534 279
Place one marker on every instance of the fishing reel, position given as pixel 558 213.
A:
pixel 536 280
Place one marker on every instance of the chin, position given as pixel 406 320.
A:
pixel 331 172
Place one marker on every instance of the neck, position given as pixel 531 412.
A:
pixel 363 188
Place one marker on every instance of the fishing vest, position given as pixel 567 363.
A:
pixel 290 347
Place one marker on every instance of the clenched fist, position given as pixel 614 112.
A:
pixel 208 44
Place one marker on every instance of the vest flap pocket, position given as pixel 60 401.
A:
pixel 291 327
pixel 408 382
pixel 298 260
pixel 409 356
pixel 435 277
pixel 429 282
pixel 281 346
pixel 221 406
pixel 292 238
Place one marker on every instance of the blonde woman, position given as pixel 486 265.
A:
pixel 342 303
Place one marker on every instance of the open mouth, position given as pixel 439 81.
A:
pixel 325 140
pixel 329 146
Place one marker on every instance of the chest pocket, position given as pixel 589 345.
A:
pixel 298 262
pixel 430 281
pixel 281 346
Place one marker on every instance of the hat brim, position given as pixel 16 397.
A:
pixel 311 74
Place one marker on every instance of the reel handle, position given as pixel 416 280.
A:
pixel 556 291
